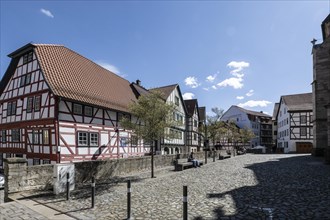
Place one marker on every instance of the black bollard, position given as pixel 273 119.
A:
pixel 214 156
pixel 185 202
pixel 129 199
pixel 205 157
pixel 67 186
pixel 93 191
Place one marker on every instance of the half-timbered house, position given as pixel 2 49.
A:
pixel 172 94
pixel 57 106
pixel 193 137
pixel 294 123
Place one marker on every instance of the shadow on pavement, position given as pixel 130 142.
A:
pixel 288 188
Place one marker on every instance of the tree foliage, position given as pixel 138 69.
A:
pixel 151 115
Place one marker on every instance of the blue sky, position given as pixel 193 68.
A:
pixel 223 53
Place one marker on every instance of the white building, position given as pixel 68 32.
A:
pixel 294 123
pixel 258 122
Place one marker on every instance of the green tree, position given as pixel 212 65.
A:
pixel 247 135
pixel 214 127
pixel 153 116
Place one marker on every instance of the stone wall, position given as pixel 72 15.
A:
pixel 321 84
pixel 20 177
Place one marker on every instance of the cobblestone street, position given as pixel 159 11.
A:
pixel 244 187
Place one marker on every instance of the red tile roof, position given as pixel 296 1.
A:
pixel 72 76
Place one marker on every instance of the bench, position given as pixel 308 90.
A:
pixel 180 164
pixel 223 154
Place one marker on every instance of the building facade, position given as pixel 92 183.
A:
pixel 294 123
pixel 258 122
pixel 56 106
pixel 321 93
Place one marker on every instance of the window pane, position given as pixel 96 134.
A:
pixel 45 137
pixel 3 136
pixel 82 139
pixel 28 79
pixel 77 109
pixel 29 105
pixel 15 135
pixel 9 108
pixel 13 108
pixel 94 139
pixel 22 83
pixel 35 137
pixel 37 103
pixel 88 111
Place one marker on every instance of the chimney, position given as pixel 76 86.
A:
pixel 261 112
pixel 138 82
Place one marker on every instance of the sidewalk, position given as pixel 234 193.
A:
pixel 26 209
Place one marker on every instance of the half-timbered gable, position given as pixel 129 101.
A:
pixel 294 121
pixel 27 110
pixel 172 94
pixel 192 124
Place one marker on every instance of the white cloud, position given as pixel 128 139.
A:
pixel 206 89
pixel 211 78
pixel 253 103
pixel 188 95
pixel 214 87
pixel 47 13
pixel 191 81
pixel 236 83
pixel 250 93
pixel 240 97
pixel 109 67
pixel 238 66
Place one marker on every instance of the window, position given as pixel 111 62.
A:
pixel 29 105
pixel 177 100
pixel 303 119
pixel 36 161
pixel 37 103
pixel 46 161
pixel 11 108
pixel 77 109
pixel 303 131
pixel 134 141
pixel 15 135
pixel 45 137
pixel 286 144
pixel 27 57
pixel 35 137
pixel 93 139
pixel 195 123
pixel 88 111
pixel 195 137
pixel 123 141
pixel 3 136
pixel 82 138
pixel 25 80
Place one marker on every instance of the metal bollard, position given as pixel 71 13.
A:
pixel 185 202
pixel 129 199
pixel 67 186
pixel 205 157
pixel 214 156
pixel 93 191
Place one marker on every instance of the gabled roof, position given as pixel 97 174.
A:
pixel 298 102
pixel 72 76
pixel 165 90
pixel 139 90
pixel 276 108
pixel 191 105
pixel 255 113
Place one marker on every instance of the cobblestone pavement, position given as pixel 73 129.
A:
pixel 274 186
